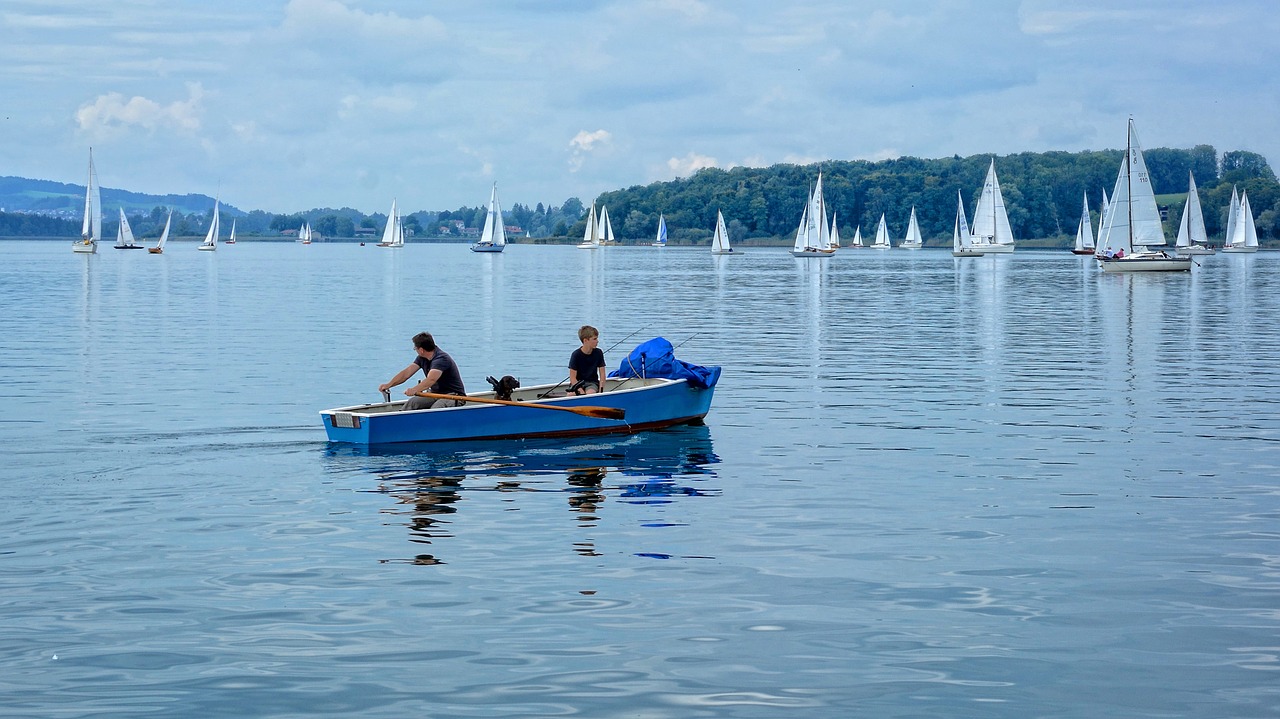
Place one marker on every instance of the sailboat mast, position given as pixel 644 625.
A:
pixel 1128 175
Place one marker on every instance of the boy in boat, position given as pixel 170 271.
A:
pixel 442 376
pixel 586 364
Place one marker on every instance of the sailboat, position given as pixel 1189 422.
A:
pixel 1084 233
pixel 164 236
pixel 857 238
pixel 590 240
pixel 881 242
pixel 124 235
pixel 1133 221
pixel 1244 233
pixel 960 236
pixel 91 230
pixel 1192 237
pixel 661 241
pixel 393 233
pixel 834 244
pixel 813 236
pixel 720 240
pixel 304 233
pixel 494 236
pixel 604 229
pixel 211 238
pixel 913 240
pixel 991 230
pixel 232 239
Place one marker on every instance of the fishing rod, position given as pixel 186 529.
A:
pixel 612 348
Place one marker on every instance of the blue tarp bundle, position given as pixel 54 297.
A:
pixel 656 358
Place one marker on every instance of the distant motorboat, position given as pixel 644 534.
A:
pixel 91 230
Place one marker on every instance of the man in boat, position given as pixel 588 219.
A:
pixel 586 364
pixel 442 376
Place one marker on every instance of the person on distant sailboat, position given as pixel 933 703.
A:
pixel 586 364
pixel 442 376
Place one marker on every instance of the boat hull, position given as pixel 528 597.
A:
pixel 155 250
pixel 1240 249
pixel 648 404
pixel 207 248
pixel 1195 250
pixel 966 253
pixel 487 248
pixel 84 248
pixel 1089 251
pixel 128 247
pixel 997 249
pixel 1139 263
pixel 725 252
pixel 820 254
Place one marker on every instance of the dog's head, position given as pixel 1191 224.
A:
pixel 502 388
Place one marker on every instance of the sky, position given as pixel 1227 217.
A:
pixel 289 105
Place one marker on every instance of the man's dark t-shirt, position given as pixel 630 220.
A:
pixel 450 381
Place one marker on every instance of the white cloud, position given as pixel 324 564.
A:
pixel 585 143
pixel 690 163
pixel 111 113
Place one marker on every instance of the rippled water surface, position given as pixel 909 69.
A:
pixel 987 487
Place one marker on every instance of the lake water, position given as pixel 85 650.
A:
pixel 928 487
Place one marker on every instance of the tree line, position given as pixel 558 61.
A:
pixel 1043 193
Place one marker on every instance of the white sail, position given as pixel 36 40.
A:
pixel 802 232
pixel 661 240
pixel 164 235
pixel 92 226
pixel 834 239
pixel 913 239
pixel 1246 232
pixel 589 239
pixel 494 232
pixel 389 232
pixel 990 219
pixel 1133 219
pixel 882 241
pixel 211 237
pixel 960 236
pixel 857 237
pixel 817 231
pixel 720 240
pixel 1084 233
pixel 604 229
pixel 1191 230
pixel 1233 218
pixel 124 235
pixel 232 237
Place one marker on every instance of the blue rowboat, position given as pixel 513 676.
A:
pixel 647 403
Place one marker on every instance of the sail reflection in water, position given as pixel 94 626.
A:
pixel 436 484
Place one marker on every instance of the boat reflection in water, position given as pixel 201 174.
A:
pixel 430 480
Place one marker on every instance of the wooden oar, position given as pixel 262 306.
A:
pixel 597 412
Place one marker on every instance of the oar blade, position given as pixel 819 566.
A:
pixel 602 412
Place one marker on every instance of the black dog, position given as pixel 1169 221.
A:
pixel 502 388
